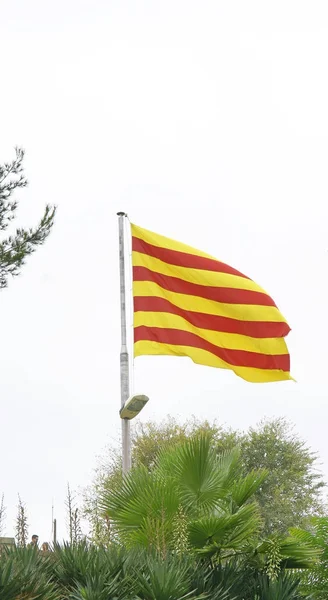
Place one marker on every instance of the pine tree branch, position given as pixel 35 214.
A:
pixel 15 248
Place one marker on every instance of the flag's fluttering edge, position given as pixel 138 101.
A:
pixel 187 303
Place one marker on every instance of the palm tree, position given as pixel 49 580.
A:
pixel 198 502
pixel 190 490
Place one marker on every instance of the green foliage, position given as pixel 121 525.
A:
pixel 195 503
pixel 289 494
pixel 10 582
pixel 21 524
pixel 239 581
pixel 98 588
pixel 150 438
pixel 285 587
pixel 15 248
pixel 192 480
pixel 26 575
pixel 180 534
pixel 196 494
pixel 274 558
pixel 101 530
pixel 277 554
pixel 315 581
pixel 147 440
pixel 108 477
pixel 228 581
pixel 86 570
pixel 73 517
pixel 83 572
pixel 164 579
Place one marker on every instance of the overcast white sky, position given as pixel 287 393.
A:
pixel 207 122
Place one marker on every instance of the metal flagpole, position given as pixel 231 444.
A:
pixel 124 355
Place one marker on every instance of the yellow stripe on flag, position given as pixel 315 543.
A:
pixel 210 307
pixel 202 357
pixel 198 276
pixel 224 340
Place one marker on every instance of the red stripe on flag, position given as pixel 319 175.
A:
pixel 183 259
pixel 255 329
pixel 218 294
pixel 237 358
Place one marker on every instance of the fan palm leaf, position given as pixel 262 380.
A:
pixel 230 530
pixel 203 478
pixel 245 487
pixel 207 489
pixel 294 552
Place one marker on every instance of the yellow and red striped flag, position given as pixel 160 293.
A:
pixel 187 303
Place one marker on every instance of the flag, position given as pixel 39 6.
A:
pixel 187 303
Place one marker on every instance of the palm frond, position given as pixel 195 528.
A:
pixel 230 530
pixel 165 579
pixel 286 587
pixel 97 587
pixel 202 477
pixel 245 487
pixel 295 554
pixel 24 574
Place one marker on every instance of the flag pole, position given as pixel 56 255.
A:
pixel 124 355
